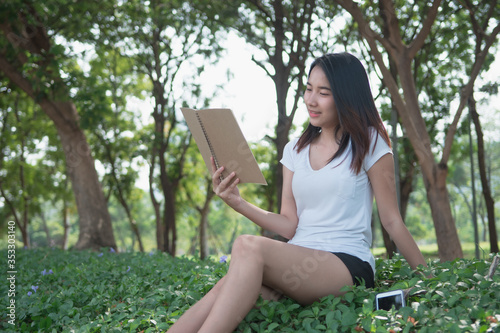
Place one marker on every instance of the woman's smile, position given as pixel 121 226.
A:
pixel 314 114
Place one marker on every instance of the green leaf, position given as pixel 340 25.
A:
pixel 349 319
pixel 272 326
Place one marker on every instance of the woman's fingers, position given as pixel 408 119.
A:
pixel 214 168
pixel 223 184
pixel 225 187
pixel 216 173
pixel 216 177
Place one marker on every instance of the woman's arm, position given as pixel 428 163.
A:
pixel 381 176
pixel 283 224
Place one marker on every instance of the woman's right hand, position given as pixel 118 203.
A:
pixel 226 188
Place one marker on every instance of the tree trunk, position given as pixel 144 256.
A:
pixel 45 228
pixel 449 246
pixel 298 21
pixel 121 196
pixel 24 192
pixel 204 253
pixel 169 189
pixel 409 112
pixel 131 220
pixel 155 203
pixel 203 229
pixel 169 223
pixel 9 204
pixel 94 219
pixel 406 180
pixel 282 130
pixel 434 174
pixel 488 198
pixel 65 221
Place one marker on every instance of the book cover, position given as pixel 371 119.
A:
pixel 217 133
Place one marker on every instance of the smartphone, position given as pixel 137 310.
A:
pixel 389 299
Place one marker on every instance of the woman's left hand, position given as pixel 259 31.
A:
pixel 226 188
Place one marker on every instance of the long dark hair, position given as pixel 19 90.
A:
pixel 355 107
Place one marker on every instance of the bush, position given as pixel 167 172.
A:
pixel 61 291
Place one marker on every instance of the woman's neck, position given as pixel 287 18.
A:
pixel 328 137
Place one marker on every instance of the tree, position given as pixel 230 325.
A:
pixel 167 36
pixel 32 175
pixel 480 19
pixel 103 98
pixel 488 198
pixel 16 179
pixel 34 63
pixel 408 106
pixel 436 82
pixel 284 30
pixel 197 190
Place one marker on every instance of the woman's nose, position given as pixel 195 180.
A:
pixel 309 98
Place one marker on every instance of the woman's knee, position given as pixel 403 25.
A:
pixel 247 246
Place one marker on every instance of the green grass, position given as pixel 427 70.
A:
pixel 141 292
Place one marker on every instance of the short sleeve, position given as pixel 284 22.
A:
pixel 288 154
pixel 378 148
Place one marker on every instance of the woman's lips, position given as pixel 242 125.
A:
pixel 313 114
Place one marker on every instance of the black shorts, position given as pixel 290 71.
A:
pixel 360 270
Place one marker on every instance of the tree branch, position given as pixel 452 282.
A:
pixel 388 14
pixel 261 8
pixel 472 14
pixel 467 90
pixel 363 26
pixel 261 65
pixel 419 41
pixel 16 77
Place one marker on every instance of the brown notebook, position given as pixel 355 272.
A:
pixel 218 134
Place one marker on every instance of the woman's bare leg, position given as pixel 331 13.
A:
pixel 196 315
pixel 300 273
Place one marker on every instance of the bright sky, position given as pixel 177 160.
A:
pixel 250 93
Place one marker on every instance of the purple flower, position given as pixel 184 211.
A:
pixel 112 250
pixel 100 254
pixel 128 269
pixel 223 259
pixel 151 253
pixel 35 288
pixel 30 293
pixel 44 272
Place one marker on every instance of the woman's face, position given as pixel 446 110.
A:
pixel 319 100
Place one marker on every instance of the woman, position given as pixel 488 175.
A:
pixel 330 176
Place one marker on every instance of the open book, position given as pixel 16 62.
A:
pixel 218 134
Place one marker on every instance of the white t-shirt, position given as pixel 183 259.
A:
pixel 334 205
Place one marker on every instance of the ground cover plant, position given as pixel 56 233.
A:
pixel 68 291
